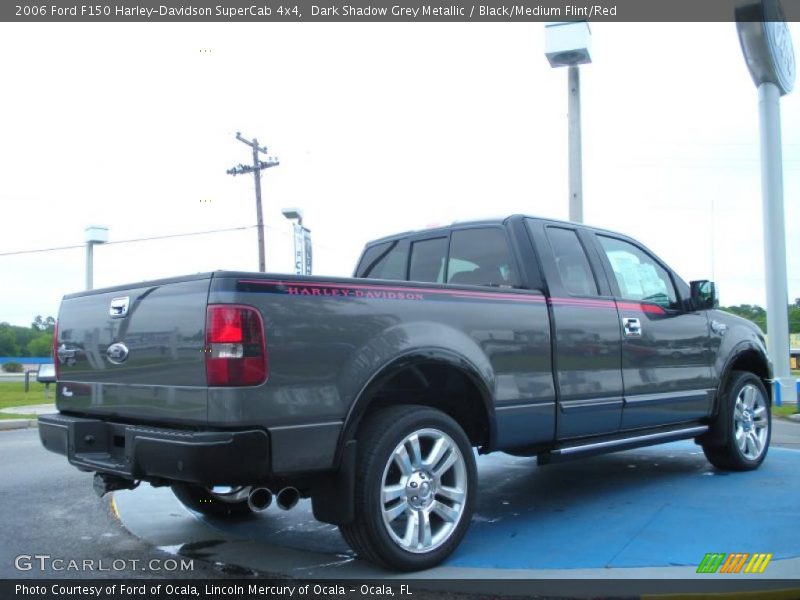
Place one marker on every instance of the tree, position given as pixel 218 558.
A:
pixel 8 341
pixel 41 324
pixel 27 341
pixel 751 312
pixel 41 345
pixel 794 317
pixel 758 315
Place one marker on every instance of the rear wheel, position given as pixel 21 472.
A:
pixel 218 502
pixel 415 488
pixel 745 415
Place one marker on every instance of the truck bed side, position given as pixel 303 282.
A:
pixel 328 339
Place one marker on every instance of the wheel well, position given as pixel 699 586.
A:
pixel 436 384
pixel 752 362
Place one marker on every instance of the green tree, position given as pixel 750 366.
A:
pixel 758 315
pixel 751 312
pixel 41 345
pixel 40 324
pixel 794 317
pixel 8 341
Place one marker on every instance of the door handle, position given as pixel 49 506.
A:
pixel 631 327
pixel 718 328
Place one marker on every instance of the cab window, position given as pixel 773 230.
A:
pixel 427 260
pixel 638 275
pixel 573 266
pixel 481 256
pixel 384 261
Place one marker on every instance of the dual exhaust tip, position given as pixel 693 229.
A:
pixel 260 498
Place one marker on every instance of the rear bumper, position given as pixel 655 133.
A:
pixel 153 453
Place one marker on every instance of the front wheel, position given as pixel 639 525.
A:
pixel 415 488
pixel 745 414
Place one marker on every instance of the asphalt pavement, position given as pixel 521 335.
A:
pixel 785 433
pixel 50 510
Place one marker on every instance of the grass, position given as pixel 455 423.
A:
pixel 784 411
pixel 7 416
pixel 12 393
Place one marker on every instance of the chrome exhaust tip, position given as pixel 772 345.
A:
pixel 259 499
pixel 288 498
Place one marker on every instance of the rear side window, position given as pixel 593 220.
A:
pixel 384 261
pixel 481 257
pixel 427 260
pixel 573 265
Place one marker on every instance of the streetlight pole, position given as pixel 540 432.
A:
pixel 89 265
pixel 575 155
pixel 567 44
pixel 93 235
pixel 767 47
pixel 256 169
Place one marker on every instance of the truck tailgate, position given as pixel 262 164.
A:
pixel 135 352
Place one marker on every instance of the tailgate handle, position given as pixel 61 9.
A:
pixel 64 353
pixel 119 307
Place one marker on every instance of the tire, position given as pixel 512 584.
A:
pixel 745 414
pixel 403 449
pixel 210 504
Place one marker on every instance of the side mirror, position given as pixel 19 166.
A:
pixel 704 294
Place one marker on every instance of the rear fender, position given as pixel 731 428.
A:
pixel 404 345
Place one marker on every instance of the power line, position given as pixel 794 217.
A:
pixel 143 239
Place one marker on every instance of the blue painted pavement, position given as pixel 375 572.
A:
pixel 658 506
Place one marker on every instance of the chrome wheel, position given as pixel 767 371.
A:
pixel 751 422
pixel 423 490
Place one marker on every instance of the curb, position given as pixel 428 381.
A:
pixel 9 424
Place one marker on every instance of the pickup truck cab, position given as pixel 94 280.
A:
pixel 524 335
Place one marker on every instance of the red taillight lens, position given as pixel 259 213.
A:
pixel 235 350
pixel 55 351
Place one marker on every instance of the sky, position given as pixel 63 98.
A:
pixel 379 128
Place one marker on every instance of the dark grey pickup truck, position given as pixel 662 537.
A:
pixel 368 395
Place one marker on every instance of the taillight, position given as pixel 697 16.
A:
pixel 55 351
pixel 235 349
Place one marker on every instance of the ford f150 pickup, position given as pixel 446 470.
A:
pixel 368 395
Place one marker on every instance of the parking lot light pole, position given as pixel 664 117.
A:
pixel 767 47
pixel 93 235
pixel 567 45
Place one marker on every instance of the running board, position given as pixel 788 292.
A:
pixel 593 448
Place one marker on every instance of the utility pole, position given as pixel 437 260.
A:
pixel 255 169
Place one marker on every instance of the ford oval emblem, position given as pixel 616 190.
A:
pixel 117 353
